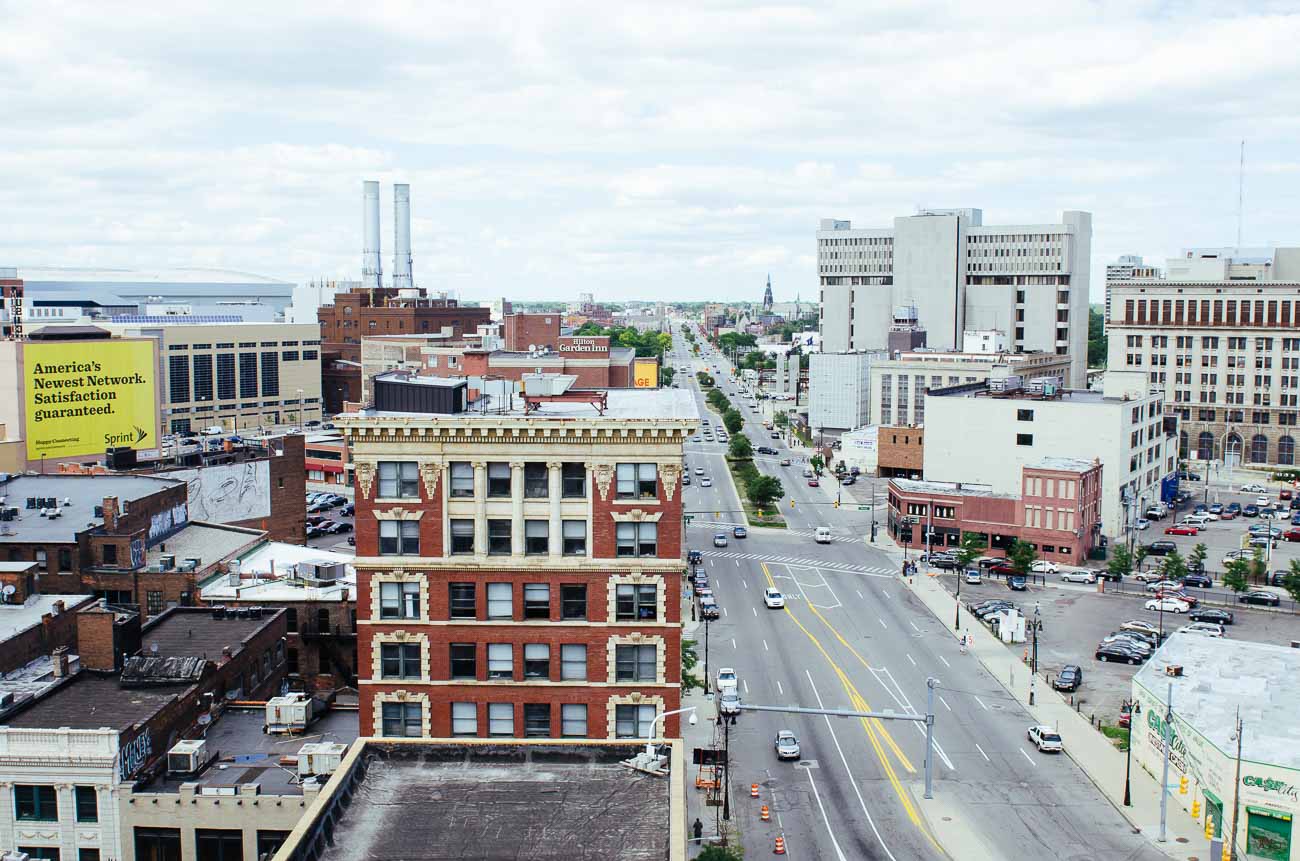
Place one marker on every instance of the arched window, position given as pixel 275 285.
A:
pixel 1286 451
pixel 1205 446
pixel 1232 448
pixel 1259 448
pixel 1183 444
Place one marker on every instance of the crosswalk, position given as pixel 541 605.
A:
pixel 793 562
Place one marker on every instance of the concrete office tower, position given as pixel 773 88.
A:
pixel 1030 281
pixel 372 276
pixel 402 236
pixel 839 391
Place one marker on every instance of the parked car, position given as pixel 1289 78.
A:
pixel 1177 594
pixel 1184 529
pixel 729 702
pixel 1016 583
pixel 1079 576
pixel 1046 739
pixel 1133 639
pixel 1252 488
pixel 1207 629
pixel 1261 597
pixel 709 608
pixel 695 557
pixel 1250 511
pixel 1043 566
pixel 1069 678
pixel 1167 605
pixel 339 526
pixel 1216 508
pixel 1234 507
pixel 726 678
pixel 1260 541
pixel 1261 529
pixel 1211 614
pixel 1161 548
pixel 686 478
pixel 1118 652
pixel 786 745
pixel 349 510
pixel 1198 581
pixel 1162 585
pixel 1141 626
pixel 773 598
pixel 973 577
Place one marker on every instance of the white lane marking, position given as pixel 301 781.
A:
pixel 981 702
pixel 883 592
pixel 913 624
pixel 733 642
pixel 744 582
pixel 724 612
pixel 755 611
pixel 860 595
pixel 945 703
pixel 1027 756
pixel 882 624
pixel 737 563
pixel 778 688
pixel 829 831
pixel 945 661
pixel 745 682
pixel 852 780
pixel 982 753
pixel 765 645
pixel 909 657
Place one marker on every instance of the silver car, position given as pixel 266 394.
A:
pixel 729 702
pixel 787 746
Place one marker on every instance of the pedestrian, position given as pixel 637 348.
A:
pixel 698 828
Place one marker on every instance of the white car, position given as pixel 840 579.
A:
pixel 773 598
pixel 699 470
pixel 1233 555
pixel 1168 605
pixel 1252 488
pixel 1261 500
pixel 706 482
pixel 1080 576
pixel 726 678
pixel 1042 566
pixel 1046 739
pixel 1161 585
pixel 1205 629
pixel 1142 523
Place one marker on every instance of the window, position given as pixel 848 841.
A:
pixel 537 661
pixel 110 554
pixel 500 601
pixel 36 803
pixel 573 601
pixel 637 539
pixel 156 844
pixel 637 481
pixel 402 720
pixel 1024 439
pixel 269 842
pixel 399 600
pixel 248 375
pixel 226 377
pixel 44 853
pixel 399 660
pixel 65 559
pixel 460 600
pixel 498 537
pixel 633 721
pixel 501 719
pixel 215 844
pixel 462 480
pixel 636 602
pixel 464 661
pixel 291 662
pixel 536 481
pixel 537 537
pixel 573 662
pixel 634 663
pixel 501 661
pixel 464 719
pixel 84 854
pixel 573 478
pixel 575 538
pixel 271 375
pixel 202 378
pixel 87 803
pixel 537 601
pixel 573 720
pixel 1024 415
pixel 399 538
pixel 399 480
pixel 537 720
pixel 498 478
pixel 153 603
pixel 462 537
pixel 178 378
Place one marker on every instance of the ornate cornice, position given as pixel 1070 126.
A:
pixel 636 515
pixel 429 472
pixel 604 475
pixel 365 474
pixel 668 474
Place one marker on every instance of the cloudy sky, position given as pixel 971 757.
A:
pixel 633 150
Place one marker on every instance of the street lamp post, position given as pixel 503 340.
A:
pixel 1236 788
pixel 1035 625
pixel 1128 755
pixel 650 733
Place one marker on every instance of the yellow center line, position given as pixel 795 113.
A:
pixel 872 726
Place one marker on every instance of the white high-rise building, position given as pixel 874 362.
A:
pixel 1029 281
pixel 839 391
pixel 1129 267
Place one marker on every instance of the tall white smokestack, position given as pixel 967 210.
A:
pixel 402 236
pixel 371 271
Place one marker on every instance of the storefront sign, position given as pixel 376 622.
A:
pixel 596 345
pixel 1268 784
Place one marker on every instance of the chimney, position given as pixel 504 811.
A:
pixel 59 660
pixel 371 271
pixel 402 236
pixel 110 514
pixel 95 639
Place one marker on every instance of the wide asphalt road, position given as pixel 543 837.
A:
pixel 851 637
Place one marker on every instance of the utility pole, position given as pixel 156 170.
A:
pixel 1167 735
pixel 1236 788
pixel 930 683
pixel 726 767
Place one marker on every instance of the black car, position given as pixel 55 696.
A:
pixel 989 609
pixel 695 557
pixel 338 527
pixel 1161 548
pixel 1259 596
pixel 1119 653
pixel 1210 614
pixel 944 560
pixel 348 510
pixel 1069 678
pixel 1198 581
pixel 1250 511
pixel 848 479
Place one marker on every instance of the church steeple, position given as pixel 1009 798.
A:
pixel 767 294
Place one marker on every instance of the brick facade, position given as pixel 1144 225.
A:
pixel 54 629
pixel 901 452
pixel 535 330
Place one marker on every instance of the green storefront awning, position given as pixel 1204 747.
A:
pixel 1212 797
pixel 1265 811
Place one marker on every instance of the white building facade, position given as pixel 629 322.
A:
pixel 1029 281
pixel 975 436
pixel 839 391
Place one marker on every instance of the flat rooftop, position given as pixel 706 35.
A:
pixel 1070 464
pixel 16 618
pixel 510 801
pixel 270 574
pixel 82 492
pixel 907 485
pixel 622 404
pixel 31 680
pixel 1222 676
pixel 246 754
pixel 90 701
pixel 195 632
pixel 206 542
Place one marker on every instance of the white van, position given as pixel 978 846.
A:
pixel 1195 520
pixel 822 535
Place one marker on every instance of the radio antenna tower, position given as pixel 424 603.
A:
pixel 1241 183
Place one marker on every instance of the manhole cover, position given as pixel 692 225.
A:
pixel 1180 840
pixel 808 763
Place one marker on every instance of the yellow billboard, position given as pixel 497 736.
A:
pixel 84 397
pixel 645 373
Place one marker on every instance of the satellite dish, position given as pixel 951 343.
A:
pixel 8 589
pixel 532 348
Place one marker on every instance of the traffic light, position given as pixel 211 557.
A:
pixel 792 503
pixel 1182 785
pixel 836 503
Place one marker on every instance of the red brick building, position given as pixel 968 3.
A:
pixel 1058 512
pixel 532 331
pixel 519 575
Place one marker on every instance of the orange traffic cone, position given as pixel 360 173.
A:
pixel 753 790
pixel 763 813
pixel 779 848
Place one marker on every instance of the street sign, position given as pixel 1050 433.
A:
pixel 688 517
pixel 864 508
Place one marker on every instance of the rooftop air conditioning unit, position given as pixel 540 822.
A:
pixel 289 713
pixel 187 756
pixel 189 565
pixel 320 758
pixel 320 569
pixel 167 561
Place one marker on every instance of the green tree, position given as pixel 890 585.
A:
pixel 781 420
pixel 740 447
pixel 689 660
pixel 763 490
pixel 1121 562
pixel 1237 575
pixel 1291 582
pixel 1172 567
pixel 817 462
pixel 1022 556
pixel 733 421
pixel 1140 556
pixel 1196 559
pixel 968 552
pixel 1258 566
pixel 666 375
pixel 1098 340
pixel 718 853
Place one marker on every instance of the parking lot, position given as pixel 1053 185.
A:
pixel 336 514
pixel 1076 617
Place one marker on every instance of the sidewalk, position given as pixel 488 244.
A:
pixel 1101 761
pixel 698 736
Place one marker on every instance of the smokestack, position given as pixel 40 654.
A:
pixel 371 271
pixel 402 236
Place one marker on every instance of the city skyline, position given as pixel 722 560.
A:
pixel 674 153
